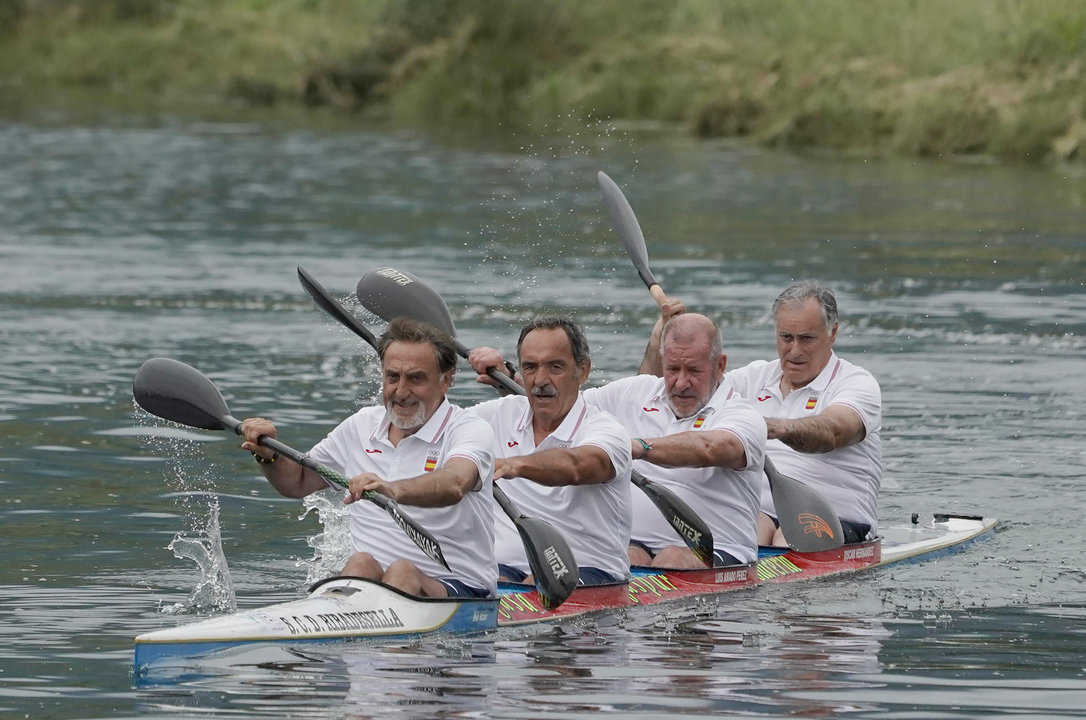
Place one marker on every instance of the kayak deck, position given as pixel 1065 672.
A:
pixel 342 608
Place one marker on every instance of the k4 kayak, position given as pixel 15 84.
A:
pixel 345 608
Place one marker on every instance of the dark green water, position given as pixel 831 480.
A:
pixel 961 289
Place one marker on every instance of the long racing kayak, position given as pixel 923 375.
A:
pixel 344 608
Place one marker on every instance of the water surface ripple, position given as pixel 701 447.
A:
pixel 961 288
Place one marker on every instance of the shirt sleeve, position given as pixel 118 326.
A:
pixel 473 438
pixel 741 419
pixel 860 391
pixel 608 434
pixel 334 449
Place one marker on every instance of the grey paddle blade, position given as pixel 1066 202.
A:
pixel 390 293
pixel 178 392
pixel 625 222
pixel 808 522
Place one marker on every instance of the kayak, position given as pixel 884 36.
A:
pixel 346 608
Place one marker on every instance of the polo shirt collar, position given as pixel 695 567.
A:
pixel 819 384
pixel 716 401
pixel 430 432
pixel 570 424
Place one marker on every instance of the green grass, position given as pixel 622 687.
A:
pixel 1004 78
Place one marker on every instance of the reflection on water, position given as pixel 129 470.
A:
pixel 712 661
pixel 960 288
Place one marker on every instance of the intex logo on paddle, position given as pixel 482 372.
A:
pixel 685 530
pixel 558 568
pixel 395 276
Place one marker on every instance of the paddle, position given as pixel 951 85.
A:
pixel 390 292
pixel 549 556
pixel 808 522
pixel 178 392
pixel 629 231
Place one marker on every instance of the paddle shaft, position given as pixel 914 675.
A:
pixel 424 541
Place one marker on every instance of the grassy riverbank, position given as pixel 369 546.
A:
pixel 1002 78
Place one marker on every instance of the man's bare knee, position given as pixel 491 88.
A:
pixel 362 564
pixel 638 556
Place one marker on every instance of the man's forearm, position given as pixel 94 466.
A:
pixel 807 435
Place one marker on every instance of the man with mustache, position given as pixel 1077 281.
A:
pixel 417 449
pixel 703 443
pixel 559 458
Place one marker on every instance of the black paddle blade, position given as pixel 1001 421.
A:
pixel 625 222
pixel 551 560
pixel 691 528
pixel 178 392
pixel 808 522
pixel 417 533
pixel 549 556
pixel 390 293
pixel 333 307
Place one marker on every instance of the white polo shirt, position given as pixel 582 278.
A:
pixel 594 519
pixel 848 477
pixel 465 531
pixel 727 500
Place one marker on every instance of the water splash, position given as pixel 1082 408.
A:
pixel 214 592
pixel 190 476
pixel 332 546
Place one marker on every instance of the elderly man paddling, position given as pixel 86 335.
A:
pixel 559 458
pixel 693 436
pixel 417 449
pixel 823 413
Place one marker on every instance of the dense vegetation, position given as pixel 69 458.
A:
pixel 1003 78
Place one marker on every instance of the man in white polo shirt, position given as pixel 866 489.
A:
pixel 559 458
pixel 417 449
pixel 823 413
pixel 695 437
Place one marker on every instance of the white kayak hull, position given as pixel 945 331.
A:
pixel 341 608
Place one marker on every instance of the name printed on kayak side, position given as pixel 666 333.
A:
pixel 383 619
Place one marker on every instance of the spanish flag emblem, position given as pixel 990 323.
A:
pixel 811 402
pixel 431 463
pixel 699 422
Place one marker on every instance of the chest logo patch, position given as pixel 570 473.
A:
pixel 431 462
pixel 372 451
pixel 811 402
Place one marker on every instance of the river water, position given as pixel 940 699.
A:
pixel 960 286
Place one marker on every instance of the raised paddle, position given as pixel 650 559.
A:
pixel 390 292
pixel 807 521
pixel 549 556
pixel 629 231
pixel 178 392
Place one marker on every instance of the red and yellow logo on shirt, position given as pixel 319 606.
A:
pixel 431 463
pixel 699 422
pixel 811 402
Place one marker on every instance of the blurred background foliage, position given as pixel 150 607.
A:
pixel 993 78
